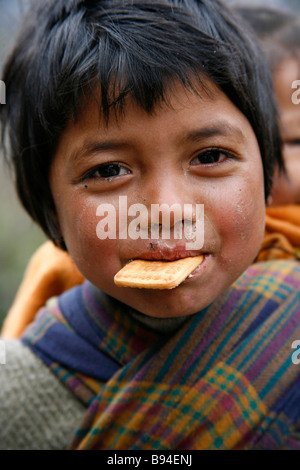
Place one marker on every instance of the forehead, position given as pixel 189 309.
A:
pixel 198 112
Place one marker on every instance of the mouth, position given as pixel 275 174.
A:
pixel 161 274
pixel 137 270
pixel 166 254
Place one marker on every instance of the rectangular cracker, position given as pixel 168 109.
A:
pixel 144 274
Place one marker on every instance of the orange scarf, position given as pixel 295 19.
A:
pixel 282 234
pixel 50 272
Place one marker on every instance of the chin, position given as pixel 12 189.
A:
pixel 173 307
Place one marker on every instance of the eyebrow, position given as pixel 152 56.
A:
pixel 217 129
pixel 92 147
pixel 197 135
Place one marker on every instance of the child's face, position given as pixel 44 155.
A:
pixel 286 190
pixel 197 150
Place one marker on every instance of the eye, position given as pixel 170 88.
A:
pixel 293 142
pixel 211 157
pixel 107 171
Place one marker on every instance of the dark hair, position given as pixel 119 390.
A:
pixel 135 48
pixel 278 31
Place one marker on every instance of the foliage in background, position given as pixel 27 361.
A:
pixel 19 237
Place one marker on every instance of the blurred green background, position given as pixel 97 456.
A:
pixel 19 237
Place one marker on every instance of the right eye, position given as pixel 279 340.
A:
pixel 106 171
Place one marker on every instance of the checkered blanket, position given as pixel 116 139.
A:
pixel 224 380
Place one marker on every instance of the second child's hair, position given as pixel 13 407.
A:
pixel 278 31
pixel 68 50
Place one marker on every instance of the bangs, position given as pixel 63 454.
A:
pixel 132 55
pixel 69 51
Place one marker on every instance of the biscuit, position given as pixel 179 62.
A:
pixel 144 274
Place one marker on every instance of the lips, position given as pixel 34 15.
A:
pixel 161 253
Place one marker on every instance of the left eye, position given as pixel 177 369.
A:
pixel 294 142
pixel 107 170
pixel 209 157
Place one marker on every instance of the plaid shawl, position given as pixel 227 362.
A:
pixel 223 380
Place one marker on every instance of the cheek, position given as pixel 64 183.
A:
pixel 241 221
pixel 249 213
pixel 78 222
pixel 88 252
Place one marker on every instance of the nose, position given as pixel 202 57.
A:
pixel 168 199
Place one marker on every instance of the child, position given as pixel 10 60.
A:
pixel 279 33
pixel 162 102
pixel 51 270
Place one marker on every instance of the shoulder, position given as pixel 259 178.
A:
pixel 279 278
pixel 36 410
pixel 274 267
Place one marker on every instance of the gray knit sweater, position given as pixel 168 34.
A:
pixel 36 410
